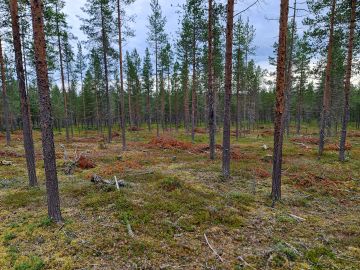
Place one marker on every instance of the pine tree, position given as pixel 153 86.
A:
pixel 4 96
pixel 346 114
pixel 280 101
pixel 98 28
pixel 45 111
pixel 156 38
pixel 25 111
pixel 147 85
pixel 228 89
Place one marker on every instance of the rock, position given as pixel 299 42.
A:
pixel 173 158
pixel 6 163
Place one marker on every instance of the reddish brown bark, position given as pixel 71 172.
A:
pixel 25 108
pixel 280 102
pixel 327 91
pixel 46 119
pixel 347 84
pixel 228 86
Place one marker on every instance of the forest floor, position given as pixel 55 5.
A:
pixel 175 211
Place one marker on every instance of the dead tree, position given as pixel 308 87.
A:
pixel 347 85
pixel 228 86
pixel 46 119
pixel 25 108
pixel 280 102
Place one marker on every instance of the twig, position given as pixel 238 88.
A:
pixel 245 262
pixel 117 183
pixel 213 250
pixel 297 217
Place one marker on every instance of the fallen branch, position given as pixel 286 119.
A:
pixel 213 250
pixel 297 217
pixel 130 231
pixel 245 262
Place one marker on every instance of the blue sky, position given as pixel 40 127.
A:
pixel 264 16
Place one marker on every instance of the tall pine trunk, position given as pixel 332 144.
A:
pixel 186 95
pixel 121 94
pixel 238 89
pixel 347 85
pixel 46 119
pixel 228 87
pixel 280 102
pixel 25 107
pixel 193 92
pixel 325 112
pixel 4 96
pixel 289 78
pixel 105 47
pixel 62 78
pixel 211 96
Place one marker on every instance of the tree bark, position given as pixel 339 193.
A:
pixel 280 102
pixel 62 78
pixel 289 79
pixel 4 96
pixel 238 89
pixel 186 96
pixel 121 94
pixel 45 111
pixel 347 85
pixel 228 87
pixel 193 92
pixel 327 91
pixel 211 116
pixel 104 45
pixel 24 100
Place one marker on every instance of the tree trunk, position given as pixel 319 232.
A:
pixel 300 101
pixel 121 94
pixel 25 108
pixel 62 78
pixel 238 89
pixel 104 45
pixel 347 85
pixel 280 102
pixel 45 112
pixel 287 117
pixel 193 92
pixel 186 96
pixel 228 86
pixel 325 114
pixel 162 100
pixel 211 97
pixel 4 96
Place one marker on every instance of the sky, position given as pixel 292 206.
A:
pixel 264 16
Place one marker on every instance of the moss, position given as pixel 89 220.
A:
pixel 170 184
pixel 32 263
pixel 23 198
pixel 8 237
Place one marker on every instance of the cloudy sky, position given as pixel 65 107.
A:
pixel 264 16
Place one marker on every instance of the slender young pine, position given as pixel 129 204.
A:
pixel 211 97
pixel 4 97
pixel 121 94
